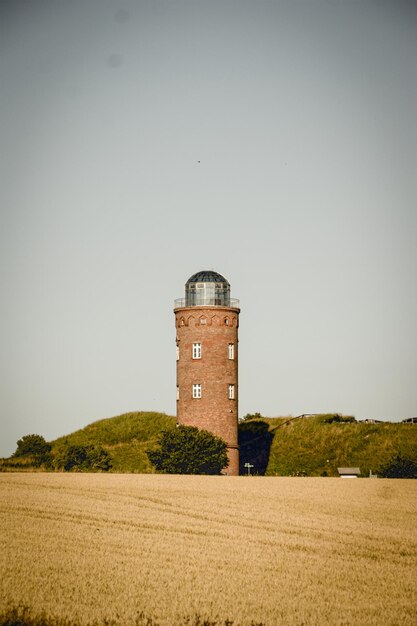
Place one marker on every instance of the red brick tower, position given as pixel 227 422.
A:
pixel 206 322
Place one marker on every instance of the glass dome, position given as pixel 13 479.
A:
pixel 207 276
pixel 207 288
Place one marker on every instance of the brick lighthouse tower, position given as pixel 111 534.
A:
pixel 206 322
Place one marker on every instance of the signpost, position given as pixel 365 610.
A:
pixel 248 465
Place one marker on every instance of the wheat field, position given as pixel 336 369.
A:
pixel 173 550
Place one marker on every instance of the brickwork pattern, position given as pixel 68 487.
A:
pixel 214 328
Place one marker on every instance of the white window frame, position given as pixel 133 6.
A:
pixel 196 350
pixel 231 351
pixel 231 392
pixel 177 352
pixel 178 392
pixel 197 390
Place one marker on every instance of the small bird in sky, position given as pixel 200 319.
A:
pixel 198 161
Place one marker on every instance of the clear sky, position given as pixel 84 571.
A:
pixel 142 141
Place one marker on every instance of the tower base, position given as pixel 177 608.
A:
pixel 233 468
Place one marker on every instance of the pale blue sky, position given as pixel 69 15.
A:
pixel 303 115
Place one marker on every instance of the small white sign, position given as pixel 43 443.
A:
pixel 248 465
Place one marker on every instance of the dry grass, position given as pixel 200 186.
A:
pixel 92 547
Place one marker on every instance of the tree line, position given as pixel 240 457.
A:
pixel 86 458
pixel 184 450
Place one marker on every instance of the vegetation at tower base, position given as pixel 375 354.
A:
pixel 189 450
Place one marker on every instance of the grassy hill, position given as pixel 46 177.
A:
pixel 317 445
pixel 314 445
pixel 125 437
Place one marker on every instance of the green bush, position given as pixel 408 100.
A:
pixel 338 419
pixel 251 416
pixel 32 451
pixel 399 467
pixel 82 459
pixel 188 450
pixel 32 445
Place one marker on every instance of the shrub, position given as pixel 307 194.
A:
pixel 34 451
pixel 32 445
pixel 83 459
pixel 251 416
pixel 188 450
pixel 341 419
pixel 399 467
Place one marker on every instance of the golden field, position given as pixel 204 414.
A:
pixel 157 549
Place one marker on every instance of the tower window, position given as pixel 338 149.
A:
pixel 226 321
pixel 231 392
pixel 203 320
pixel 178 352
pixel 196 391
pixel 178 392
pixel 196 350
pixel 231 351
